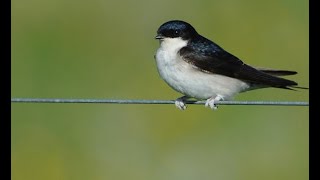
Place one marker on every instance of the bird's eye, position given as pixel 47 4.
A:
pixel 173 33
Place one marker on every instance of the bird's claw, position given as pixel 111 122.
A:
pixel 211 102
pixel 180 103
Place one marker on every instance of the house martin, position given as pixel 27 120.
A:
pixel 199 68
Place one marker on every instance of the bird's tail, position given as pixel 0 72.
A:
pixel 275 72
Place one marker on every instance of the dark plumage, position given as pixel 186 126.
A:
pixel 208 56
pixel 197 67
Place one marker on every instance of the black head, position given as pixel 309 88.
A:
pixel 176 28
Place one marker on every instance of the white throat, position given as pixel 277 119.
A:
pixel 167 54
pixel 172 44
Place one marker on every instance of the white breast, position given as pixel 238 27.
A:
pixel 187 79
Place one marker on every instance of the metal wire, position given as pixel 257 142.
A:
pixel 139 101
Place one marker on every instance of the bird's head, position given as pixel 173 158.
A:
pixel 176 29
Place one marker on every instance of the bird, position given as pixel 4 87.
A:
pixel 199 68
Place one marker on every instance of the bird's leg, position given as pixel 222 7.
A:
pixel 181 102
pixel 211 102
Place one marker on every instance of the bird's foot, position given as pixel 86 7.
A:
pixel 211 102
pixel 181 102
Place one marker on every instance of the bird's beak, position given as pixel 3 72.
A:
pixel 159 36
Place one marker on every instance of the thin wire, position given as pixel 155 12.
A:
pixel 138 101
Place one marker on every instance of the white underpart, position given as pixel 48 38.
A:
pixel 189 80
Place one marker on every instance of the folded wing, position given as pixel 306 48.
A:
pixel 211 58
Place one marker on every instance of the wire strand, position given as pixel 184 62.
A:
pixel 139 101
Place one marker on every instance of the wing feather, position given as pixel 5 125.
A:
pixel 209 57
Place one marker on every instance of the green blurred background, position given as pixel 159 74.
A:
pixel 105 49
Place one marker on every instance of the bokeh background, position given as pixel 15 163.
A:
pixel 105 49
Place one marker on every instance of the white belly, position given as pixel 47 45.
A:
pixel 189 80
